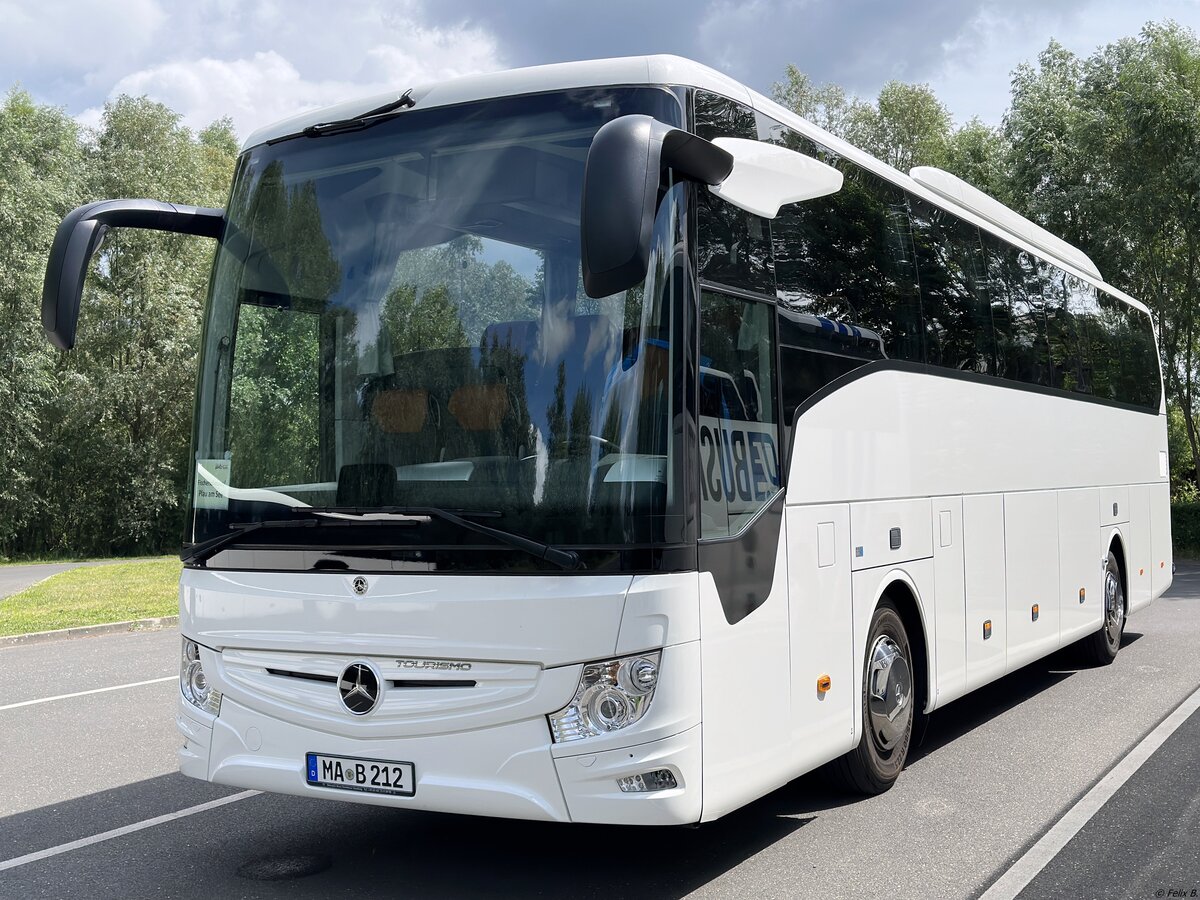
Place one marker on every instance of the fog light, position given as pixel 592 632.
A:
pixel 658 780
pixel 193 683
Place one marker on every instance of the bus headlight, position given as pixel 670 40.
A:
pixel 611 695
pixel 193 683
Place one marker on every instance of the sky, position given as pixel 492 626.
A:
pixel 256 61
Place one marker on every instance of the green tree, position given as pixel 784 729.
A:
pixel 825 105
pixel 1106 153
pixel 118 431
pixel 41 179
pixel 907 126
pixel 979 155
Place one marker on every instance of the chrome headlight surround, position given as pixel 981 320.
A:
pixel 193 683
pixel 612 694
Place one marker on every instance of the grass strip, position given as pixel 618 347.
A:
pixel 95 596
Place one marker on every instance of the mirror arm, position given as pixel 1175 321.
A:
pixel 79 236
pixel 692 157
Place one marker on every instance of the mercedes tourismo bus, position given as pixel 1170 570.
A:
pixel 602 442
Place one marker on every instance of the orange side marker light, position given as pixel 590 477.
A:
pixel 987 629
pixel 824 683
pixel 1082 594
pixel 1035 612
pixel 1141 571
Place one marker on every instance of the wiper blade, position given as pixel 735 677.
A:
pixel 200 552
pixel 564 559
pixel 364 120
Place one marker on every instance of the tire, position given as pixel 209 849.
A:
pixel 888 707
pixel 1100 649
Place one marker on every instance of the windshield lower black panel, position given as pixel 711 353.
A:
pixel 397 320
pixel 452 559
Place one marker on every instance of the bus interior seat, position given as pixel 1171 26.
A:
pixel 401 410
pixel 406 425
pixel 479 407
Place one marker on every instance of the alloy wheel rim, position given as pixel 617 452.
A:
pixel 889 693
pixel 1114 609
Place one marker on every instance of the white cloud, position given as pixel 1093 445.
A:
pixel 72 36
pixel 975 74
pixel 378 52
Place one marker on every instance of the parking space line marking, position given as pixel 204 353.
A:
pixel 1037 857
pixel 115 687
pixel 123 830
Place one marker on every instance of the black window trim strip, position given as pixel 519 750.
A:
pixel 740 293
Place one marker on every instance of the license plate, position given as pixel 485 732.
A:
pixel 372 776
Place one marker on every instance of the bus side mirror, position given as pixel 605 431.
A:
pixel 621 189
pixel 621 193
pixel 79 237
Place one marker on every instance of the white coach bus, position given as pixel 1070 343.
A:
pixel 602 442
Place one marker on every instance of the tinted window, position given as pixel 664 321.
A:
pixel 1125 367
pixel 1019 313
pixel 957 306
pixel 739 434
pixel 1065 296
pixel 847 258
pixel 734 246
pixel 994 309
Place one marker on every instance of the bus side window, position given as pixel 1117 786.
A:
pixel 1123 353
pixel 848 258
pixel 958 309
pixel 739 434
pixel 1067 340
pixel 733 246
pixel 1017 283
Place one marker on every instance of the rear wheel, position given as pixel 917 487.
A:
pixel 1101 648
pixel 887 707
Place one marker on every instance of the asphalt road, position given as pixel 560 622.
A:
pixel 996 770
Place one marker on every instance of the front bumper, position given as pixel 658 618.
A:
pixel 506 771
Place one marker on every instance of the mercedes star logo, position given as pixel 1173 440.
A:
pixel 359 688
pixel 360 585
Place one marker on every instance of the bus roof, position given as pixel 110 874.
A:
pixel 675 70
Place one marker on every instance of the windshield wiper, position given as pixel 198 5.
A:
pixel 363 120
pixel 564 559
pixel 200 552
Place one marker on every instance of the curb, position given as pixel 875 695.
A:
pixel 39 637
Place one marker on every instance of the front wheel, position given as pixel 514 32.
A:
pixel 887 707
pixel 1101 648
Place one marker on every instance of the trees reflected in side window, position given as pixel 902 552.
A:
pixel 956 302
pixel 848 258
pixel 873 272
pixel 1018 313
pixel 734 246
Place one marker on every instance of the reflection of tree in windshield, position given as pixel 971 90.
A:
pixel 274 398
pixel 285 229
pixel 478 291
pixel 274 394
pixel 425 322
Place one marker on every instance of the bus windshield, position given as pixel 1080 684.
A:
pixel 397 321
